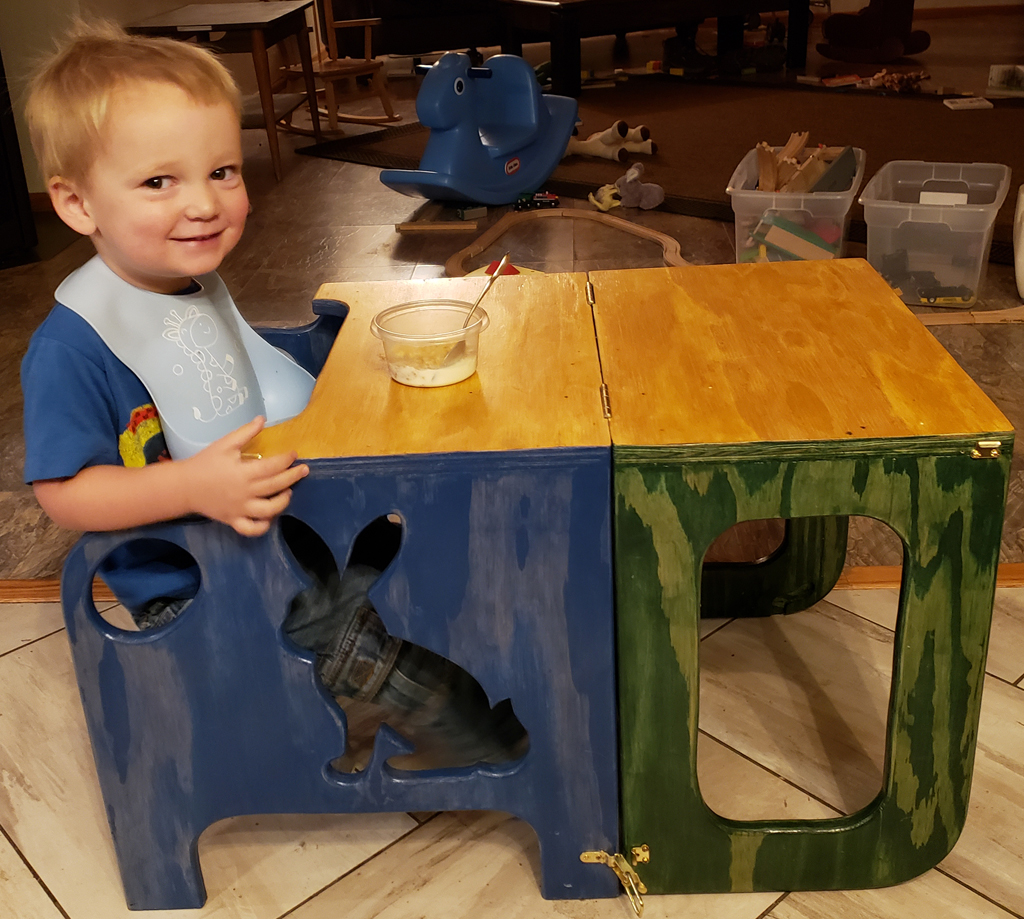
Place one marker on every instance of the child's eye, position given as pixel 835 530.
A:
pixel 157 182
pixel 225 172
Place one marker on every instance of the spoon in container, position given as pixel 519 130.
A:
pixel 459 348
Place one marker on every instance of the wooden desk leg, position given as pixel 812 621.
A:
pixel 511 40
pixel 796 41
pixel 730 35
pixel 566 62
pixel 794 577
pixel 262 66
pixel 306 58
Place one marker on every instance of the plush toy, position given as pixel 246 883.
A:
pixel 614 143
pixel 634 193
pixel 628 191
pixel 605 198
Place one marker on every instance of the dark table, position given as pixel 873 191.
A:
pixel 246 27
pixel 565 22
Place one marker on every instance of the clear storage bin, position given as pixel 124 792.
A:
pixel 809 225
pixel 930 227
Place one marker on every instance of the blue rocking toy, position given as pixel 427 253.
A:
pixel 493 134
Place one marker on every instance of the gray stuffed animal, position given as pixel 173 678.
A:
pixel 634 193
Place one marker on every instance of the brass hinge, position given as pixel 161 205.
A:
pixel 629 879
pixel 591 298
pixel 606 402
pixel 987 449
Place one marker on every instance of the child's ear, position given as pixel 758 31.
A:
pixel 69 203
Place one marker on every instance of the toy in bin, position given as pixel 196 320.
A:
pixel 792 241
pixel 793 202
pixel 921 286
pixel 930 227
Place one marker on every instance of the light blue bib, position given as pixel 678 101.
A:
pixel 206 369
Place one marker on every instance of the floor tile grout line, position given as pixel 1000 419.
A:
pixel 355 868
pixel 1019 682
pixel 1005 681
pixel 38 638
pixel 32 871
pixel 768 911
pixel 715 631
pixel 29 644
pixel 945 872
pixel 771 771
pixel 864 618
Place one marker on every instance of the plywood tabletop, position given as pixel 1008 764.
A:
pixel 798 351
pixel 537 385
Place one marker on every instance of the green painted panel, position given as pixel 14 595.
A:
pixel 948 511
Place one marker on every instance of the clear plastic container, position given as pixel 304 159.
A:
pixel 814 222
pixel 930 227
pixel 419 338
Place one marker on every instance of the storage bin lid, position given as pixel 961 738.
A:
pixel 978 186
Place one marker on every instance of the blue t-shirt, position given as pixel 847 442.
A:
pixel 84 407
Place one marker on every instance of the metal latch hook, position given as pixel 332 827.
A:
pixel 629 879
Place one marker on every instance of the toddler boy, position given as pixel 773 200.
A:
pixel 144 384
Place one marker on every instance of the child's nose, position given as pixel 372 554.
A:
pixel 202 203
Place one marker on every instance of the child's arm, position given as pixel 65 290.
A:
pixel 217 482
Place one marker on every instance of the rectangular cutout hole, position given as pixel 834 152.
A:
pixel 794 707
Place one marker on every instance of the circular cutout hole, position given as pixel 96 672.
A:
pixel 145 584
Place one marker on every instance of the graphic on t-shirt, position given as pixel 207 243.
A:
pixel 142 442
pixel 196 333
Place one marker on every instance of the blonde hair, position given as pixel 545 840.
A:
pixel 72 93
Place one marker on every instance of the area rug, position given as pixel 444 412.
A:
pixel 703 131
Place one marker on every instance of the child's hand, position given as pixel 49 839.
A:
pixel 246 494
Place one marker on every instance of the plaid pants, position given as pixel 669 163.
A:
pixel 357 659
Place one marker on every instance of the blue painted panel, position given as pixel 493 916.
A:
pixel 310 344
pixel 504 567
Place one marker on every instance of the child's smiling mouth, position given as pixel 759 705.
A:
pixel 197 239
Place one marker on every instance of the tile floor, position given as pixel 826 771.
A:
pixel 793 709
pixel 793 713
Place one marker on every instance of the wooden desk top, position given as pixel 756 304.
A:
pixel 219 16
pixel 797 351
pixel 537 385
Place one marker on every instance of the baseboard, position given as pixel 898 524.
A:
pixel 879 577
pixel 46 590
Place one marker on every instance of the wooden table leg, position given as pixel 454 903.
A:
pixel 566 62
pixel 730 35
pixel 306 58
pixel 796 41
pixel 794 577
pixel 261 64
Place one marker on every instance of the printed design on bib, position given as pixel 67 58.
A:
pixel 196 333
pixel 142 442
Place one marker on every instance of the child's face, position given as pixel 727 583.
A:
pixel 165 195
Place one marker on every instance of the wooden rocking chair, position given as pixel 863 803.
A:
pixel 331 69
